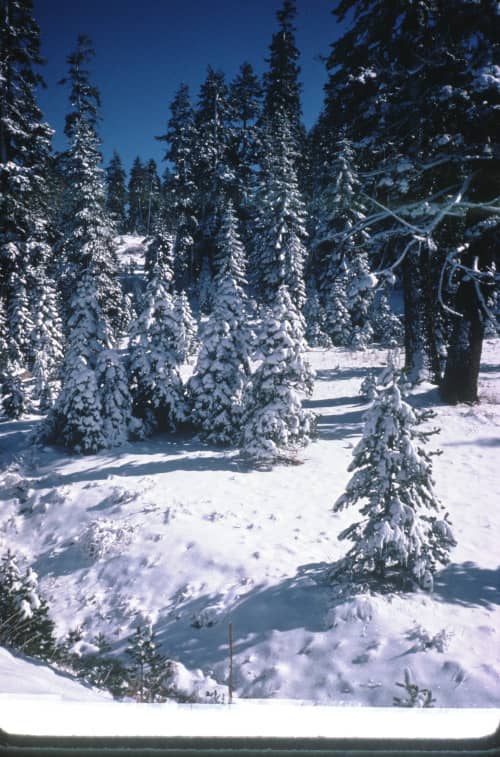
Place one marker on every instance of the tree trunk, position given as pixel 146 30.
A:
pixel 461 376
pixel 414 321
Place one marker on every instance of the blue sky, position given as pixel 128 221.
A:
pixel 146 48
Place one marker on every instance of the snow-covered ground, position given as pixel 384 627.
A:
pixel 192 539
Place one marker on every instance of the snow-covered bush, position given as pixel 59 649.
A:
pixel 404 533
pixel 13 393
pixel 24 618
pixel 101 536
pixel 275 423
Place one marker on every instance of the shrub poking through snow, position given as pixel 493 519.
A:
pixel 404 533
pixel 275 423
pixel 415 696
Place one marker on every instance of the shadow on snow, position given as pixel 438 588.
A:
pixel 468 585
pixel 297 602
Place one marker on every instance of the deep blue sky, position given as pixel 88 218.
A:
pixel 146 48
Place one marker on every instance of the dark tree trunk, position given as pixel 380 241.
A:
pixel 460 382
pixel 429 267
pixel 414 319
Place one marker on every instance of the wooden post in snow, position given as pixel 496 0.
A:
pixel 230 681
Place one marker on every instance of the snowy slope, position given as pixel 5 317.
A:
pixel 20 677
pixel 186 535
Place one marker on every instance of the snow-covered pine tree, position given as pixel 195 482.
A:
pixel 88 230
pixel 229 251
pixel 150 671
pixel 387 326
pixel 315 320
pixel 405 533
pixel 4 342
pixel 245 100
pixel 47 343
pixel 181 139
pixel 214 171
pixel 281 82
pixel 159 258
pixel 81 415
pixel 152 195
pixel 338 323
pixel 279 253
pixel 216 389
pixel 20 319
pixel 187 342
pixel 25 623
pixel 116 193
pixel 136 222
pixel 204 287
pixel 275 423
pixel 339 250
pixel 116 400
pixel 13 392
pixel 156 384
pixel 24 156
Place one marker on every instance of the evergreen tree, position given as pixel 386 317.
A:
pixel 20 320
pixel 215 177
pixel 116 193
pixel 4 342
pixel 216 389
pixel 413 84
pixel 47 343
pixel 25 623
pixel 275 424
pixel 159 256
pixel 246 101
pixel 181 138
pixel 315 320
pixel 115 397
pixel 14 398
pixel 187 342
pixel 152 193
pixel 279 251
pixel 339 249
pixel 229 251
pixel 156 385
pixel 88 238
pixel 387 326
pixel 24 158
pixel 150 671
pixel 76 419
pixel 403 535
pixel 281 82
pixel 137 203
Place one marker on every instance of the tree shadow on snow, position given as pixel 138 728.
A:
pixel 487 442
pixel 341 425
pixel 332 402
pixel 468 585
pixel 332 374
pixel 129 468
pixel 197 634
pixel 489 368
